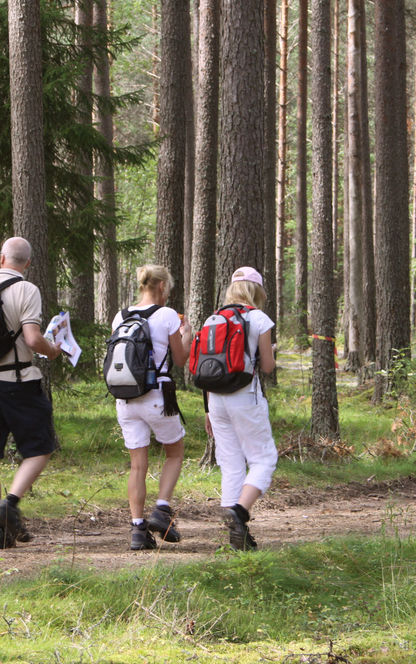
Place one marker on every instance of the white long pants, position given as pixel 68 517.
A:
pixel 243 437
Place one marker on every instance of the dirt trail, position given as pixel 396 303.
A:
pixel 101 539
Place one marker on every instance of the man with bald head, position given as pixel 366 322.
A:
pixel 24 409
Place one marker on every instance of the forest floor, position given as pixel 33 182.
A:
pixel 100 539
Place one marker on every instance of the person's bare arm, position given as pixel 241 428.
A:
pixel 37 342
pixel 180 344
pixel 267 362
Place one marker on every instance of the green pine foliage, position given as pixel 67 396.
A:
pixel 65 136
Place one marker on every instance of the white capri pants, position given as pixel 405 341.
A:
pixel 138 417
pixel 243 437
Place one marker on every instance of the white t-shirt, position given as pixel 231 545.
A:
pixel 21 304
pixel 162 324
pixel 259 323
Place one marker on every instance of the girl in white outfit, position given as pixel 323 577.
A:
pixel 138 417
pixel 240 422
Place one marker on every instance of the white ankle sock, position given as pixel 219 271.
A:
pixel 160 502
pixel 137 522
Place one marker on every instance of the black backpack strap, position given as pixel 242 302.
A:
pixel 144 313
pixel 17 366
pixel 9 282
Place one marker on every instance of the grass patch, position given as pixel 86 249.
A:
pixel 359 593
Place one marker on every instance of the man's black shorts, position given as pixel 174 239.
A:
pixel 27 414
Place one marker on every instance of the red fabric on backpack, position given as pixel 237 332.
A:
pixel 220 359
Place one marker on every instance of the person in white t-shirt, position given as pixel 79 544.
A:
pixel 240 421
pixel 138 417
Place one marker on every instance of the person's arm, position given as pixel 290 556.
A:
pixel 267 362
pixel 180 344
pixel 37 342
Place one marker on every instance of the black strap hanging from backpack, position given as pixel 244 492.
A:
pixel 8 337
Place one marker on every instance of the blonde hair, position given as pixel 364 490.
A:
pixel 150 276
pixel 246 292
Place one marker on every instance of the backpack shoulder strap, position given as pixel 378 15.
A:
pixel 9 282
pixel 145 313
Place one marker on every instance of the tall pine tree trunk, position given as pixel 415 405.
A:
pixel 189 160
pixel 107 278
pixel 356 329
pixel 392 214
pixel 171 163
pixel 270 155
pixel 301 283
pixel 335 150
pixel 203 250
pixel 241 208
pixel 155 72
pixel 369 286
pixel 28 161
pixel 324 392
pixel 281 164
pixel 82 292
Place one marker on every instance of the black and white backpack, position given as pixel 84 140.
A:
pixel 128 348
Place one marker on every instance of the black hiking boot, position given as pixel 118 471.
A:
pixel 141 537
pixel 161 520
pixel 10 524
pixel 240 537
pixel 23 535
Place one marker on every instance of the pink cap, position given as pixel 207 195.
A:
pixel 247 274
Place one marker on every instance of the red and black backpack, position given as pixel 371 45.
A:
pixel 220 357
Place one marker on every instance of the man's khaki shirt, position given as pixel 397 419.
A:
pixel 21 304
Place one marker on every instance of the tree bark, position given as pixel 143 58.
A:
pixel 189 161
pixel 301 278
pixel 270 156
pixel 171 163
pixel 335 136
pixel 281 164
pixel 392 214
pixel 82 292
pixel 28 160
pixel 324 392
pixel 155 73
pixel 355 174
pixel 369 286
pixel 203 249
pixel 107 304
pixel 241 207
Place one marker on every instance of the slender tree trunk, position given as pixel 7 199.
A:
pixel 270 156
pixel 82 292
pixel 324 392
pixel 369 286
pixel 189 161
pixel 346 271
pixel 392 214
pixel 203 249
pixel 413 267
pixel 171 164
pixel 241 208
pixel 335 136
pixel 281 163
pixel 107 277
pixel 355 336
pixel 301 284
pixel 28 161
pixel 155 72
